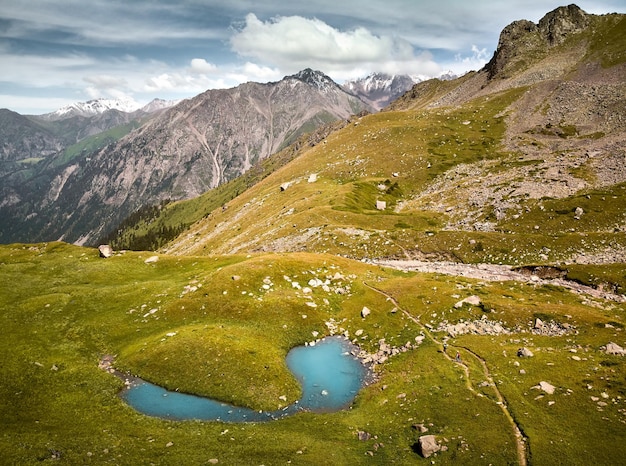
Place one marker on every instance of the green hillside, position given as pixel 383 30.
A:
pixel 177 320
pixel 484 216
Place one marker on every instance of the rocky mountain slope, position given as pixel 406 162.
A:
pixel 380 89
pixel 521 162
pixel 184 151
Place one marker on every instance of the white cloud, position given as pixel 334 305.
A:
pixel 293 43
pixel 201 66
pixel 475 61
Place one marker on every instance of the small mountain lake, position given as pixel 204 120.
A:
pixel 329 374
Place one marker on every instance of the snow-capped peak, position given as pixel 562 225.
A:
pixel 316 79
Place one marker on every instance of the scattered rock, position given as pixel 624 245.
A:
pixel 365 312
pixel 363 436
pixel 427 445
pixel 236 278
pixel 152 259
pixel 381 205
pixel 312 178
pixel 524 353
pixel 578 213
pixel 420 427
pixel 106 251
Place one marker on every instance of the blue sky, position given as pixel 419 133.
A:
pixel 53 53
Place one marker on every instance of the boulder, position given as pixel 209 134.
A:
pixel 472 300
pixel 152 259
pixel 105 250
pixel 614 348
pixel 524 353
pixel 427 445
pixel 381 205
pixel 546 387
pixel 365 312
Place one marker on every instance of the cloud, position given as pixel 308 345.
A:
pixel 475 61
pixel 293 43
pixel 105 81
pixel 201 66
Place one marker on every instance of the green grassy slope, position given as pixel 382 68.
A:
pixel 63 308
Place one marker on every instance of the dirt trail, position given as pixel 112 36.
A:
pixel 495 272
pixel 520 440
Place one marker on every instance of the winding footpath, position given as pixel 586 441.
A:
pixel 520 439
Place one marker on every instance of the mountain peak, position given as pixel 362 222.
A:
pixel 95 107
pixel 521 37
pixel 314 78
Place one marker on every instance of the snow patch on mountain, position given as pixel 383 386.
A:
pixel 317 79
pixel 95 107
pixel 380 89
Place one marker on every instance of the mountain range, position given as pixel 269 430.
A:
pixel 467 243
pixel 173 153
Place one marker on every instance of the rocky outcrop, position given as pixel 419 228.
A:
pixel 522 40
pixel 559 23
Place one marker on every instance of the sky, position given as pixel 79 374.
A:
pixel 56 52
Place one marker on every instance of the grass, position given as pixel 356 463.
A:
pixel 63 307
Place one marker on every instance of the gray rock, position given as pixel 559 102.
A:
pixel 524 353
pixel 105 250
pixel 546 387
pixel 427 445
pixel 472 300
pixel 365 312
pixel 614 348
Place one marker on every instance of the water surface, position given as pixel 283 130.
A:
pixel 329 375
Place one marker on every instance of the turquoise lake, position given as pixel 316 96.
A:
pixel 329 375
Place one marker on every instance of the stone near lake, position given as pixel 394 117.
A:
pixel 524 353
pixel 152 259
pixel 427 445
pixel 365 312
pixel 106 251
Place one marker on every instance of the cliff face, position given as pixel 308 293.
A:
pixel 523 39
